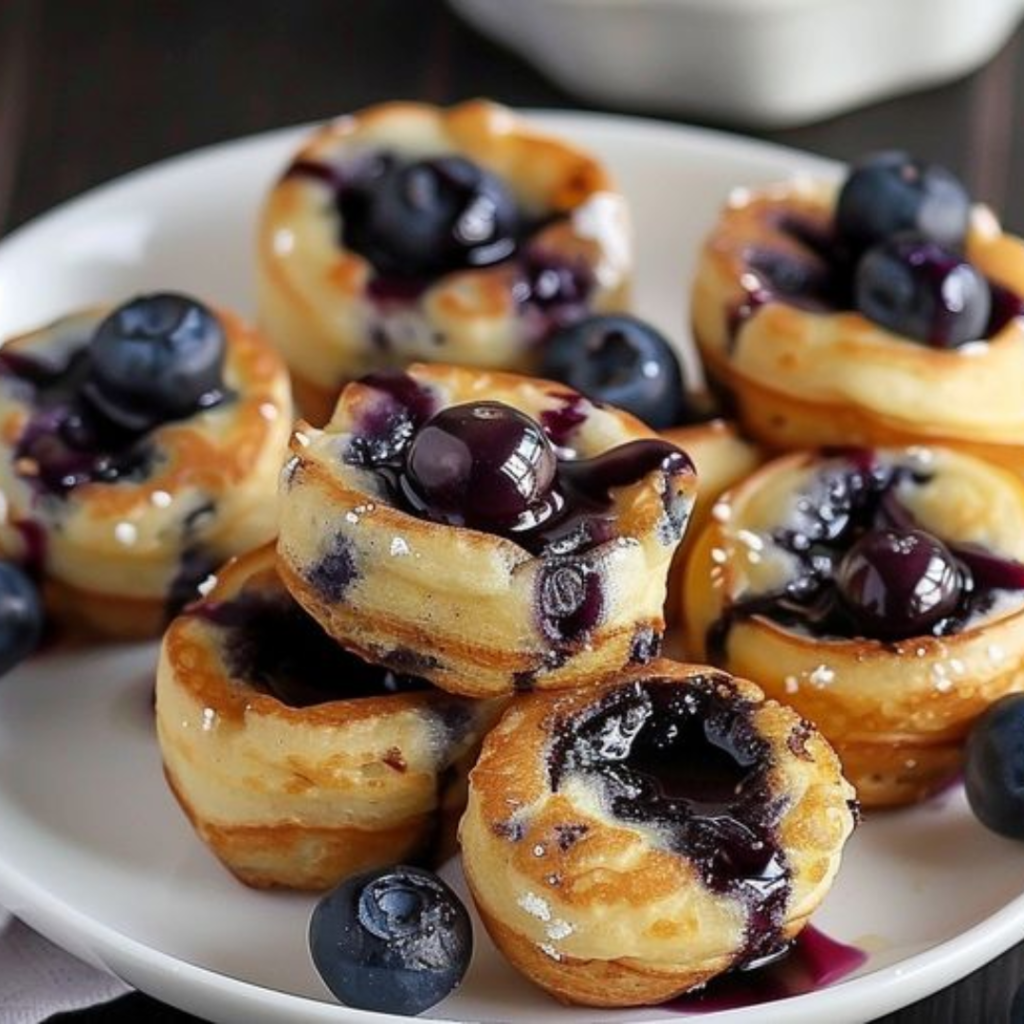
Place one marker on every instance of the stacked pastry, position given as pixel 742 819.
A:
pixel 456 543
pixel 634 826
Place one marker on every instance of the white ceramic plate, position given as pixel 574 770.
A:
pixel 95 853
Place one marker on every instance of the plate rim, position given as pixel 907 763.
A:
pixel 879 991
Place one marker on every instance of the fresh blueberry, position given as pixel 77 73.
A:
pixel 624 362
pixel 889 193
pixel 157 358
pixel 393 940
pixel 994 767
pixel 430 217
pixel 21 616
pixel 483 465
pixel 919 289
pixel 899 583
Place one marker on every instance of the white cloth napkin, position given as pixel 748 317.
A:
pixel 38 979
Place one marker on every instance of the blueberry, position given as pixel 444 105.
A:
pixel 899 583
pixel 889 193
pixel 429 217
pixel 483 465
pixel 21 616
pixel 994 767
pixel 923 291
pixel 157 358
pixel 624 362
pixel 393 940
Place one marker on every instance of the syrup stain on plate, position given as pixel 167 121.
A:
pixel 813 962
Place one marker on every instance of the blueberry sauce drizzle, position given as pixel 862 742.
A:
pixel 76 432
pixel 387 424
pixel 818 277
pixel 845 501
pixel 687 760
pixel 272 644
pixel 560 424
pixel 555 289
pixel 587 516
pixel 65 443
pixel 814 961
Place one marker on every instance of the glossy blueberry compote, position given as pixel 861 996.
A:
pixel 275 646
pixel 686 760
pixel 483 465
pixel 417 220
pixel 153 360
pixel 489 467
pixel 893 252
pixel 897 582
pixel 422 218
pixel 392 940
pixel 864 568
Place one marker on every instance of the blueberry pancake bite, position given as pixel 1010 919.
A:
pixel 879 592
pixel 881 310
pixel 296 762
pixel 629 842
pixel 139 448
pixel 489 531
pixel 459 235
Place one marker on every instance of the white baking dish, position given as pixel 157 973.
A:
pixel 754 62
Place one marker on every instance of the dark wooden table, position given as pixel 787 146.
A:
pixel 91 90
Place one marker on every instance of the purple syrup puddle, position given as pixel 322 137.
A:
pixel 813 962
pixel 844 503
pixel 687 760
pixel 273 644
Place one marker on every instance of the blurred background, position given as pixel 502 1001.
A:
pixel 91 90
